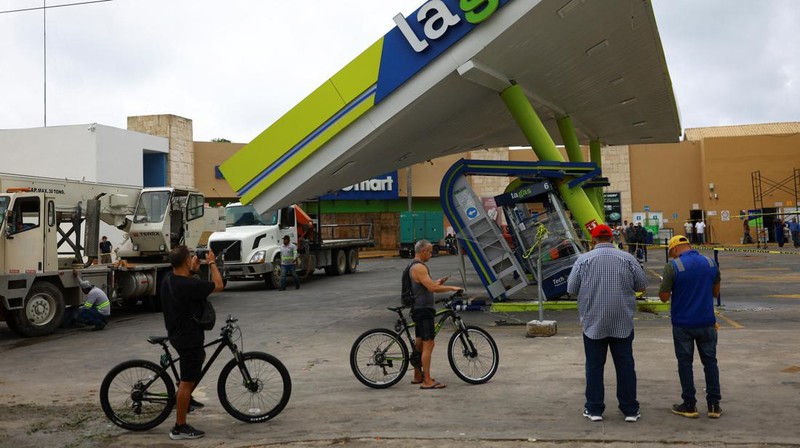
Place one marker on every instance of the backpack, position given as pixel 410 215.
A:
pixel 407 297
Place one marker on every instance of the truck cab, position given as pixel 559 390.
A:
pixel 250 244
pixel 163 219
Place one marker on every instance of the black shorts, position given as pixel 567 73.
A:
pixel 191 364
pixel 423 318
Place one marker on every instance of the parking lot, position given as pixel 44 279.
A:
pixel 48 386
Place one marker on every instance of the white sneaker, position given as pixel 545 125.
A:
pixel 594 418
pixel 633 418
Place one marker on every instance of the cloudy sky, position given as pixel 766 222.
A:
pixel 235 66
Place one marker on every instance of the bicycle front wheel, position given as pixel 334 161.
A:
pixel 261 398
pixel 379 358
pixel 473 355
pixel 137 395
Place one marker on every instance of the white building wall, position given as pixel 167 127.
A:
pixel 120 153
pixel 60 151
pixel 93 152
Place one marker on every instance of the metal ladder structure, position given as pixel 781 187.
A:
pixel 790 185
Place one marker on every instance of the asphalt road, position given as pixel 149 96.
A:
pixel 48 386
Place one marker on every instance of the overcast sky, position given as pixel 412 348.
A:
pixel 235 66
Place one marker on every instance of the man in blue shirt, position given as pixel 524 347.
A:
pixel 605 281
pixel 692 282
pixel 794 228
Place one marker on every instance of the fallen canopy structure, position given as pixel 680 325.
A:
pixel 459 75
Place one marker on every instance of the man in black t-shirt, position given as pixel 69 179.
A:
pixel 182 298
pixel 105 250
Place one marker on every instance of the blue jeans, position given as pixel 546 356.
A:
pixel 701 238
pixel 622 353
pixel 287 269
pixel 91 317
pixel 706 340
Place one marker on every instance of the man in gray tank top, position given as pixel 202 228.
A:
pixel 424 311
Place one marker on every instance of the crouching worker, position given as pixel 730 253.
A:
pixel 96 308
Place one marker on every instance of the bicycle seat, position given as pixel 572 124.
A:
pixel 157 339
pixel 396 308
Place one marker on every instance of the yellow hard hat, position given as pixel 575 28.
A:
pixel 677 241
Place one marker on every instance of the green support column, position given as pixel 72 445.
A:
pixel 576 199
pixel 570 139
pixel 597 194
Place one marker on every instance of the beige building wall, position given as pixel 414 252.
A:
pixel 616 167
pixel 489 186
pixel 426 177
pixel 209 155
pixel 729 163
pixel 178 130
pixel 667 178
pixel 674 178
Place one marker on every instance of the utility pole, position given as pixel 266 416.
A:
pixel 44 9
pixel 408 188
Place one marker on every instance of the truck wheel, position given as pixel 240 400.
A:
pixel 273 279
pixel 42 313
pixel 352 261
pixel 339 266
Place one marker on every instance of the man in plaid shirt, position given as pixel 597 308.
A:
pixel 605 281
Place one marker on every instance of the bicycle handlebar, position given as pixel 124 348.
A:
pixel 456 295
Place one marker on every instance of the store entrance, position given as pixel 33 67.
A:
pixel 695 216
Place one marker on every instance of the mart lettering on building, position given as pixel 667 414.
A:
pixel 377 188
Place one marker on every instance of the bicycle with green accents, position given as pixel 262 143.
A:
pixel 380 357
pixel 253 386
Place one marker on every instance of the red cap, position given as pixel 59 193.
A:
pixel 602 230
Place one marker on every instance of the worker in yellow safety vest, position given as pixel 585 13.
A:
pixel 96 308
pixel 289 262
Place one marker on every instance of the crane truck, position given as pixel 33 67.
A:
pixel 251 243
pixel 41 221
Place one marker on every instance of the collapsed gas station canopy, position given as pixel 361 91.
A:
pixel 430 87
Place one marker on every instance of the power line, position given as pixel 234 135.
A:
pixel 39 8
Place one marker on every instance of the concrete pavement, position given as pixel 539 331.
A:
pixel 48 386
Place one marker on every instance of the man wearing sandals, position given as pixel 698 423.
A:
pixel 424 311
pixel 182 296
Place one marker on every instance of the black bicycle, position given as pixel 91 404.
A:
pixel 380 357
pixel 253 386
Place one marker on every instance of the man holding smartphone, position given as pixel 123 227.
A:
pixel 424 311
pixel 182 298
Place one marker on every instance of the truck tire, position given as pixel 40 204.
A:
pixel 273 279
pixel 339 266
pixel 352 261
pixel 42 313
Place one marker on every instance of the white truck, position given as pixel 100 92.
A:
pixel 250 244
pixel 41 221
